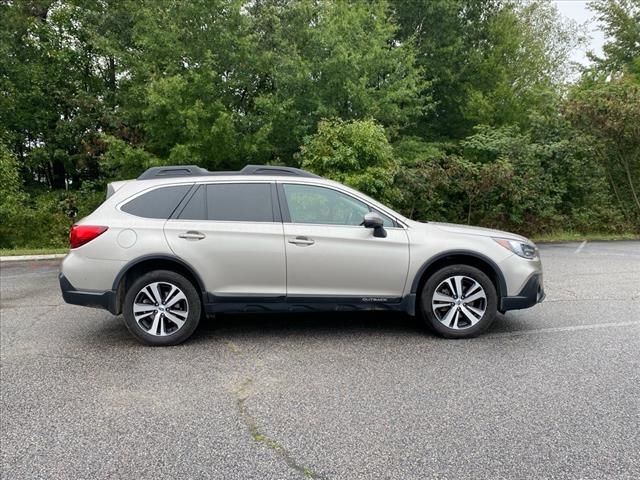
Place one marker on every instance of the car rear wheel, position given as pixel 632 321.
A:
pixel 162 308
pixel 458 301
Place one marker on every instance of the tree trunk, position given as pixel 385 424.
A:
pixel 112 81
pixel 76 182
pixel 48 173
pixel 625 164
pixel 58 175
pixel 615 192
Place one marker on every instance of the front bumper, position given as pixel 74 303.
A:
pixel 531 293
pixel 87 298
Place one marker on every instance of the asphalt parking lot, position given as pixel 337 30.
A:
pixel 550 392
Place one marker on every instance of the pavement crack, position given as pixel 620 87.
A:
pixel 242 395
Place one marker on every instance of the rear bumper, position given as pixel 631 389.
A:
pixel 531 293
pixel 87 298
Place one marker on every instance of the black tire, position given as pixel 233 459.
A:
pixel 489 303
pixel 180 333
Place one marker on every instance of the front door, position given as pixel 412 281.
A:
pixel 329 254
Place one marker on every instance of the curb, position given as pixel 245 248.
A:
pixel 24 258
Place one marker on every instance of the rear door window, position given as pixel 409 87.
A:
pixel 232 202
pixel 239 202
pixel 157 203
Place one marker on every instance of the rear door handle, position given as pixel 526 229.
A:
pixel 302 241
pixel 191 235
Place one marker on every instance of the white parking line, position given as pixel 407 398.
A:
pixel 572 328
pixel 579 249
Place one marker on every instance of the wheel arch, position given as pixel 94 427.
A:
pixel 455 257
pixel 147 263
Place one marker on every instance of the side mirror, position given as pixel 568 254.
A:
pixel 373 220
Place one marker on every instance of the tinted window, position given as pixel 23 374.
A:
pixel 158 203
pixel 240 202
pixel 311 204
pixel 196 207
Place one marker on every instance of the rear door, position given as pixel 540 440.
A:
pixel 329 254
pixel 231 233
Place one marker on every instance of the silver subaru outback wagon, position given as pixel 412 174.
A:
pixel 181 242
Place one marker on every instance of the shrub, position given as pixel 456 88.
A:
pixel 356 153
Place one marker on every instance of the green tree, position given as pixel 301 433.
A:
pixel 330 59
pixel 620 20
pixel 609 111
pixel 13 197
pixel 356 153
pixel 422 179
pixel 51 101
pixel 447 109
pixel 488 61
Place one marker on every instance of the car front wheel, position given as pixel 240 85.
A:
pixel 161 308
pixel 458 301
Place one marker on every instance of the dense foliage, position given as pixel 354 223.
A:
pixel 445 109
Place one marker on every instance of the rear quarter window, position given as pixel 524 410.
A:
pixel 157 203
pixel 196 207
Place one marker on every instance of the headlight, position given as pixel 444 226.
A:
pixel 524 250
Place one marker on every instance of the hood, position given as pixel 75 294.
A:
pixel 481 231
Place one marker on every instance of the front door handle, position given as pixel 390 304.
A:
pixel 191 235
pixel 302 241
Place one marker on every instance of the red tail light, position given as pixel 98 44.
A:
pixel 81 234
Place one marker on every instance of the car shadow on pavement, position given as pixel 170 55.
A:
pixel 287 324
pixel 333 324
pixel 300 325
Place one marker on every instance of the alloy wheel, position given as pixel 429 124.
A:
pixel 459 302
pixel 160 309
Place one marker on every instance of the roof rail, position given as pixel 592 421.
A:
pixel 173 171
pixel 195 171
pixel 275 170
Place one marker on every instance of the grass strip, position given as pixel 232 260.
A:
pixel 10 252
